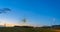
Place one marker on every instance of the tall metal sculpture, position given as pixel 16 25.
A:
pixel 24 21
pixel 4 10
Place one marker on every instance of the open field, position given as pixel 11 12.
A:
pixel 17 29
pixel 28 29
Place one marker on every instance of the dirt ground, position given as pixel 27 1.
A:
pixel 57 30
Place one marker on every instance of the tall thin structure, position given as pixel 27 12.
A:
pixel 53 22
pixel 24 21
pixel 4 10
pixel 5 25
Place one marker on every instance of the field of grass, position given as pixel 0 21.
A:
pixel 18 29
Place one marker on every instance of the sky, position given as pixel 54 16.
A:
pixel 36 12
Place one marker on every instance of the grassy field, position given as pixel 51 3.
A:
pixel 18 29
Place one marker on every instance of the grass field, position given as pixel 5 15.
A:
pixel 18 29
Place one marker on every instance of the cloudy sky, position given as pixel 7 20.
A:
pixel 37 12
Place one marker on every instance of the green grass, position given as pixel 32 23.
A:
pixel 16 29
